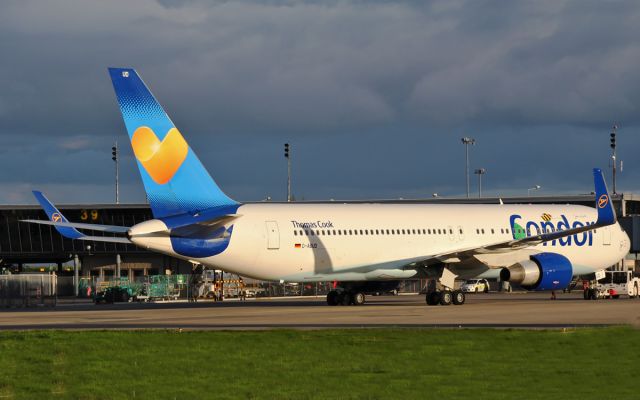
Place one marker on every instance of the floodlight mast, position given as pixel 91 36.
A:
pixel 480 172
pixel 114 157
pixel 467 141
pixel 613 155
pixel 536 187
pixel 287 155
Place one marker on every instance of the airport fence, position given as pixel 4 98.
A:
pixel 28 290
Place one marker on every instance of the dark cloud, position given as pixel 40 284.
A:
pixel 373 95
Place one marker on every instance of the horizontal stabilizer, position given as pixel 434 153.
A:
pixel 78 225
pixel 108 239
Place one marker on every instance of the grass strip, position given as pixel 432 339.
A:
pixel 321 364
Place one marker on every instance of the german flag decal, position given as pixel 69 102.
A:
pixel 546 217
pixel 297 245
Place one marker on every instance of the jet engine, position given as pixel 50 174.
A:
pixel 543 271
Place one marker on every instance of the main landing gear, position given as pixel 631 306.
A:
pixel 445 297
pixel 439 290
pixel 345 298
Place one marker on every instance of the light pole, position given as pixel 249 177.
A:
pixel 536 187
pixel 480 172
pixel 467 141
pixel 287 155
pixel 114 157
pixel 613 155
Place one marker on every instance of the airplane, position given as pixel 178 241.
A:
pixel 358 245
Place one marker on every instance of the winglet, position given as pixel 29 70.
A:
pixel 56 216
pixel 604 205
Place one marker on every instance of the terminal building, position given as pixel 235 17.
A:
pixel 23 244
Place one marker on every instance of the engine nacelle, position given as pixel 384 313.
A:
pixel 543 271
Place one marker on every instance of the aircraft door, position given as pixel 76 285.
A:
pixel 606 236
pixel 273 235
pixel 451 233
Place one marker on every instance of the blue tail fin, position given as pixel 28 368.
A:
pixel 604 205
pixel 174 178
pixel 56 216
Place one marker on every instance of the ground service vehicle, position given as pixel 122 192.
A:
pixel 612 284
pixel 475 286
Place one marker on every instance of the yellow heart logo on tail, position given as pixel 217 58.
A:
pixel 161 160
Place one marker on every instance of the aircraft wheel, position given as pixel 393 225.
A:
pixel 433 298
pixel 586 294
pixel 592 294
pixel 635 290
pixel 458 298
pixel 346 299
pixel 332 298
pixel 446 298
pixel 358 298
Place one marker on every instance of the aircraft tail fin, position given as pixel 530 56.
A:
pixel 56 216
pixel 68 229
pixel 175 180
pixel 604 205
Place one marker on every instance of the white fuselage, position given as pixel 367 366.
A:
pixel 322 242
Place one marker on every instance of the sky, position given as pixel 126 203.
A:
pixel 373 96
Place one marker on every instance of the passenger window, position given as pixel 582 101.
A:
pixel 450 231
pixel 478 231
pixel 492 232
pixel 334 232
pixel 461 231
pixel 361 231
pixel 323 231
pixel 307 232
pixel 482 230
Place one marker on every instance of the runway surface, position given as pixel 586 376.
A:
pixel 525 310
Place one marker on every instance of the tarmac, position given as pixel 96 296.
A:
pixel 492 310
